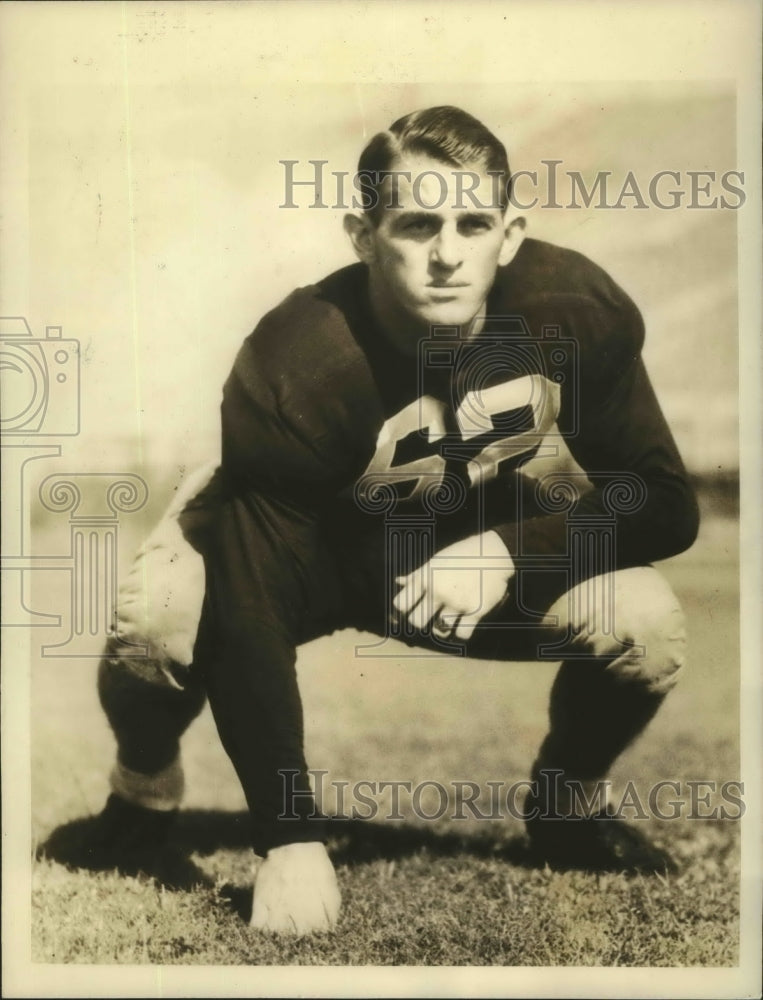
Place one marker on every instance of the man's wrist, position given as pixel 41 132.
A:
pixel 304 847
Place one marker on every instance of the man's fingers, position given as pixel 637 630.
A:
pixel 423 613
pixel 402 600
pixel 406 599
pixel 411 593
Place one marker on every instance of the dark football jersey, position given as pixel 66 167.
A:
pixel 323 415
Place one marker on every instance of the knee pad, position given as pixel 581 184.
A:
pixel 159 602
pixel 650 624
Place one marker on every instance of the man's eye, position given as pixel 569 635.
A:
pixel 474 226
pixel 419 226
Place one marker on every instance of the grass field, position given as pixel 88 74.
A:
pixel 445 892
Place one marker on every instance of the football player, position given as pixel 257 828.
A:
pixel 409 389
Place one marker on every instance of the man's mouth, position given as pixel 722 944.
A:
pixel 447 284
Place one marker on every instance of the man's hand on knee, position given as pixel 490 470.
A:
pixel 457 587
pixel 295 891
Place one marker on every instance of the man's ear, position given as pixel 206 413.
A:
pixel 359 228
pixel 514 234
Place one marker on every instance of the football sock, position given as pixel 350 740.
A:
pixel 161 791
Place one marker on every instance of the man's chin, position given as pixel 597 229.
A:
pixel 448 314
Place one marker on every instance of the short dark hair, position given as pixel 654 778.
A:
pixel 444 133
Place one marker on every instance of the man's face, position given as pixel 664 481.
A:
pixel 436 265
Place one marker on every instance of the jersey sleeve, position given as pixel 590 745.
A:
pixel 295 411
pixel 297 418
pixel 622 442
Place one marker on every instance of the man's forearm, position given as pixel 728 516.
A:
pixel 664 524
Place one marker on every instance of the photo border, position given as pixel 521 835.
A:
pixel 556 42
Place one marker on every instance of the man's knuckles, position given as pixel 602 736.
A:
pixel 291 914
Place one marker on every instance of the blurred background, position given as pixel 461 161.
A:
pixel 157 241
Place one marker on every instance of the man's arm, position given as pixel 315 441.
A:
pixel 624 445
pixel 639 484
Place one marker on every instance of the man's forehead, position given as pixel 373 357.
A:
pixel 424 184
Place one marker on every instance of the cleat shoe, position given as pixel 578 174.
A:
pixel 126 838
pixel 122 836
pixel 598 843
pixel 125 828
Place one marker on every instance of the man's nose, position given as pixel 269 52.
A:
pixel 446 250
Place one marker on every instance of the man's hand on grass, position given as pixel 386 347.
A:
pixel 295 891
pixel 457 587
